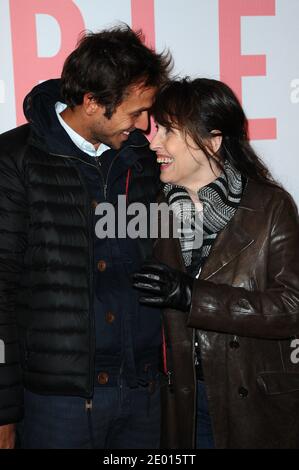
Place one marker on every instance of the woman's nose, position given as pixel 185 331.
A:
pixel 155 142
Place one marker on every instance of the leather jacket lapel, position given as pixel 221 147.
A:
pixel 239 233
pixel 228 245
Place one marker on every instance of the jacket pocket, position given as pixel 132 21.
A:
pixel 277 383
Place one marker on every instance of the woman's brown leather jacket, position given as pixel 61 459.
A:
pixel 246 306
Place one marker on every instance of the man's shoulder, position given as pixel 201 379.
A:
pixel 14 138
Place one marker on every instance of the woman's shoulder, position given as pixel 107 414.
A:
pixel 267 196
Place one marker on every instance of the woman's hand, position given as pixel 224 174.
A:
pixel 164 287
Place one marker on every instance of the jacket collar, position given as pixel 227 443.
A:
pixel 239 233
pixel 236 237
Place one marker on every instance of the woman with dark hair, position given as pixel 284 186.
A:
pixel 232 302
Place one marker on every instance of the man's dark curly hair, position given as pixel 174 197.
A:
pixel 106 63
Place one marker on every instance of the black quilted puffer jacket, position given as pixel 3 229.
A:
pixel 46 264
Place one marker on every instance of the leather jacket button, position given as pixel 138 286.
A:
pixel 243 392
pixel 102 265
pixel 103 378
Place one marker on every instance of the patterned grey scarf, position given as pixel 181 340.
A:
pixel 198 230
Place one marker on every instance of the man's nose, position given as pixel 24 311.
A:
pixel 142 121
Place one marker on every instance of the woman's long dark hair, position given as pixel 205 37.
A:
pixel 200 106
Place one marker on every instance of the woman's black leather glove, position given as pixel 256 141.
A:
pixel 164 287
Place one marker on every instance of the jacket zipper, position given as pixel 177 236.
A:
pixel 91 300
pixel 105 183
pixel 98 165
pixel 90 215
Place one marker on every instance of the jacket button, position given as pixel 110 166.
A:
pixel 234 344
pixel 110 317
pixel 102 265
pixel 94 203
pixel 103 378
pixel 243 392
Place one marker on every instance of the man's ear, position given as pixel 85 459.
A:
pixel 90 105
pixel 215 141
